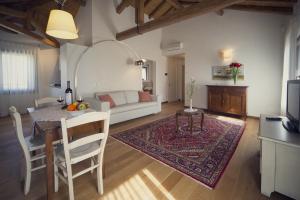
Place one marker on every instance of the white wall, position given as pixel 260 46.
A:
pixel 106 60
pixel 48 70
pixel 258 43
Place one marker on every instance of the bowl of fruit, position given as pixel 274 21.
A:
pixel 76 108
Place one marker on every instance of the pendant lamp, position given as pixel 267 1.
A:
pixel 61 24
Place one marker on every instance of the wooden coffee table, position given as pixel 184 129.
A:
pixel 189 115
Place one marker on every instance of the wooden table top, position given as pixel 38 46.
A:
pixel 48 118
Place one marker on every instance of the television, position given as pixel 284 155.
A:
pixel 293 106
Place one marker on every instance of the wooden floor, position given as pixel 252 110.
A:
pixel 130 174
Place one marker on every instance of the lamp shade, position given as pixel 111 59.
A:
pixel 61 25
pixel 226 54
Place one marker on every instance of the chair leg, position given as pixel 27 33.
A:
pixel 56 179
pixel 27 177
pixel 100 179
pixel 70 185
pixel 92 164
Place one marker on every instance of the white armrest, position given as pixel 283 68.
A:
pixel 97 104
pixel 156 98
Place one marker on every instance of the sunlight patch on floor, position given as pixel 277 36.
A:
pixel 134 188
pixel 229 119
pixel 158 184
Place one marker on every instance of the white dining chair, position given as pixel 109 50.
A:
pixel 45 101
pixel 88 147
pixel 28 144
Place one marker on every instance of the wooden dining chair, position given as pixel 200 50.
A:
pixel 45 101
pixel 88 147
pixel 28 144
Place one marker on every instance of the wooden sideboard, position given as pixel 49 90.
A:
pixel 227 99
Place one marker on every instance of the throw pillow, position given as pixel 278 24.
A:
pixel 107 98
pixel 144 96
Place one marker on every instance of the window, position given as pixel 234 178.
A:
pixel 17 71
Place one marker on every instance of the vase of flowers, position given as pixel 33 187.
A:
pixel 235 69
pixel 191 89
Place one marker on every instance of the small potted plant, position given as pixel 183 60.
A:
pixel 235 70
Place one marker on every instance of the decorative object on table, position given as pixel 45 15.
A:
pixel 235 69
pixel 60 100
pixel 61 23
pixel 79 99
pixel 69 94
pixel 77 108
pixel 224 73
pixel 191 90
pixel 202 156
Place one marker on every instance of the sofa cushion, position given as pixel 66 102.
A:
pixel 132 96
pixel 106 97
pixel 144 97
pixel 118 97
pixel 132 106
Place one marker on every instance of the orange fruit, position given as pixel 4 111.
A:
pixel 71 107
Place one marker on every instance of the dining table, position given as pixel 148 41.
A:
pixel 47 120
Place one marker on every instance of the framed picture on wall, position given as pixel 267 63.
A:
pixel 224 73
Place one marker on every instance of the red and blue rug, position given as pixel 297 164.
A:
pixel 203 155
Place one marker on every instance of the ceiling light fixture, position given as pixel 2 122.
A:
pixel 61 23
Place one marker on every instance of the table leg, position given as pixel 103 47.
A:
pixel 202 119
pixel 177 124
pixel 191 124
pixel 50 167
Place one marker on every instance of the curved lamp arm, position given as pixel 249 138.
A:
pixel 131 50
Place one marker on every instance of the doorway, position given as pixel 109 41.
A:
pixel 176 82
pixel 149 76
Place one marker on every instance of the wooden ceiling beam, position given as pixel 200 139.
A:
pixel 12 12
pixel 151 5
pixel 18 29
pixel 175 4
pixel 265 9
pixel 124 4
pixel 220 12
pixel 272 3
pixel 205 6
pixel 139 11
pixel 160 10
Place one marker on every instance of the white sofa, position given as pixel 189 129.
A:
pixel 127 105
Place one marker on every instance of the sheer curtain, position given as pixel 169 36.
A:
pixel 18 76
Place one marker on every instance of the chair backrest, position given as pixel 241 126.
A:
pixel 81 120
pixel 17 123
pixel 45 101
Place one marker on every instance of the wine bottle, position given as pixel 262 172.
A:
pixel 69 95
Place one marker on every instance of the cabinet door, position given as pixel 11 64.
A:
pixel 234 101
pixel 215 99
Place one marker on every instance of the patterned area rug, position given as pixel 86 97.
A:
pixel 202 155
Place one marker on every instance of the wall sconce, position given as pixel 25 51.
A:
pixel 140 62
pixel 226 54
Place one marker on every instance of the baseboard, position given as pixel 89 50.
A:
pixel 252 117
